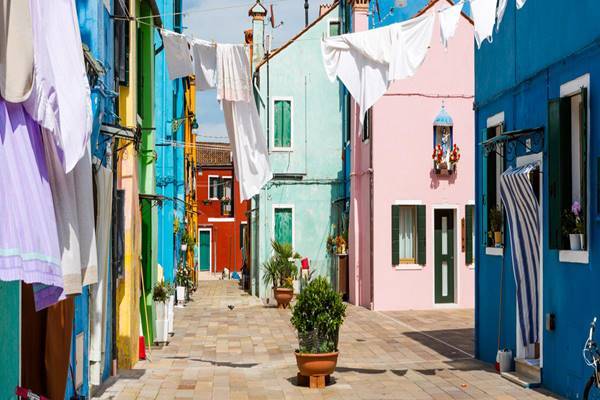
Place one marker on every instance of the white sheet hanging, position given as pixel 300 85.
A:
pixel 60 99
pixel 484 17
pixel 233 69
pixel 99 294
pixel 449 18
pixel 72 195
pixel 250 155
pixel 178 54
pixel 366 62
pixel 520 4
pixel 205 64
pixel 500 12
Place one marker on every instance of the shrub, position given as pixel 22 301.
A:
pixel 280 270
pixel 160 292
pixel 317 316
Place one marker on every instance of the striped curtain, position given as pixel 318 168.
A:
pixel 522 209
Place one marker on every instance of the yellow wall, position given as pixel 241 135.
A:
pixel 128 287
pixel 190 155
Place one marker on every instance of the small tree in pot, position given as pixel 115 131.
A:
pixel 160 295
pixel 281 271
pixel 317 316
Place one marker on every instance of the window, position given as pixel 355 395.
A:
pixel 334 28
pixel 469 234
pixel 213 187
pixel 121 44
pixel 226 195
pixel 492 200
pixel 568 164
pixel 283 224
pixel 282 124
pixel 408 234
pixel 367 126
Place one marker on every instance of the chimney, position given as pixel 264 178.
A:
pixel 305 13
pixel 258 13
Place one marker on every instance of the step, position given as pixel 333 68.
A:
pixel 529 367
pixel 523 380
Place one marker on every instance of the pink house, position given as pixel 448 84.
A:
pixel 411 211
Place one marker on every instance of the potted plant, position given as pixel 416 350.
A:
pixel 225 200
pixel 495 224
pixel 160 296
pixel 184 240
pixel 182 282
pixel 573 226
pixel 206 202
pixel 317 316
pixel 280 271
pixel 340 244
pixel 170 306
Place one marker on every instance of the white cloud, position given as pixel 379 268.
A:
pixel 225 21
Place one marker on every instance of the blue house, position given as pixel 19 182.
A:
pixel 169 106
pixel 535 90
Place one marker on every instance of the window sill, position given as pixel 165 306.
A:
pixel 574 256
pixel 494 251
pixel 408 267
pixel 281 149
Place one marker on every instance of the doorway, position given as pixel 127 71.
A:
pixel 444 256
pixel 204 255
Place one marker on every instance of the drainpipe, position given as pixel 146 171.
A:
pixel 371 208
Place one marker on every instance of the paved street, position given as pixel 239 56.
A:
pixel 248 353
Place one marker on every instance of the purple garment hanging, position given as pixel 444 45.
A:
pixel 29 247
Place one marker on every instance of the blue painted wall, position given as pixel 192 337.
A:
pixel 387 14
pixel 537 49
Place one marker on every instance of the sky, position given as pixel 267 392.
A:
pixel 225 21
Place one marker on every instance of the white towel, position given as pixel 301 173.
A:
pixel 60 99
pixel 205 64
pixel 98 293
pixel 233 69
pixel 449 18
pixel 366 62
pixel 484 17
pixel 178 54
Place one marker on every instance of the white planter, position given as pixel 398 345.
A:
pixel 296 286
pixel 162 323
pixel 575 241
pixel 184 247
pixel 582 240
pixel 180 295
pixel 171 313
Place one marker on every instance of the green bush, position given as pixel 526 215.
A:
pixel 317 316
pixel 160 292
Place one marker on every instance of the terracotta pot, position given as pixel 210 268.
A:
pixel 283 297
pixel 316 364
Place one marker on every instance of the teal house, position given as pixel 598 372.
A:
pixel 301 113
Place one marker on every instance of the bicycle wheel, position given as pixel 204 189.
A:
pixel 591 392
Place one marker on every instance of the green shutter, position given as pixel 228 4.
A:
pixel 283 225
pixel 278 129
pixel 395 234
pixel 421 236
pixel 283 124
pixel 469 210
pixel 554 203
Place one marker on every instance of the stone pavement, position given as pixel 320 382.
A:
pixel 248 354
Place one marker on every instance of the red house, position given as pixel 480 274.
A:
pixel 222 220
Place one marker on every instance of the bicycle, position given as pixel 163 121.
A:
pixel 590 349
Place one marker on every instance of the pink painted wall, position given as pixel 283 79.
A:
pixel 402 171
pixel 359 240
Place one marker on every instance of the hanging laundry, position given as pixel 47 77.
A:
pixel 449 18
pixel 367 62
pixel 72 194
pixel 99 293
pixel 16 51
pixel 520 4
pixel 500 12
pixel 60 100
pixel 29 246
pixel 233 69
pixel 178 54
pixel 205 64
pixel 484 17
pixel 250 155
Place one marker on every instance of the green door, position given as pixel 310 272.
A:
pixel 283 225
pixel 444 256
pixel 204 250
